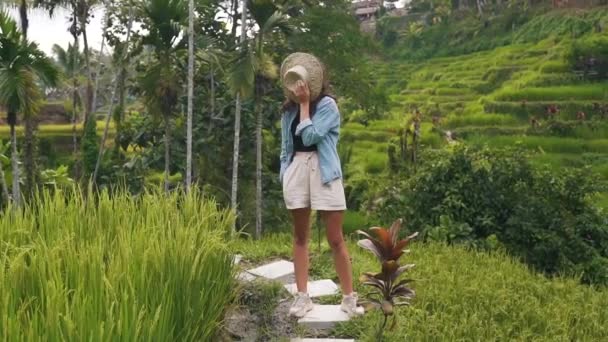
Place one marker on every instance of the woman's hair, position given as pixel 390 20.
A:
pixel 326 90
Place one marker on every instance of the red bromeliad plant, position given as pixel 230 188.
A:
pixel 388 291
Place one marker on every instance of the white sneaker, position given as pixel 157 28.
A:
pixel 301 305
pixel 349 305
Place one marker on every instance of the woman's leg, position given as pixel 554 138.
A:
pixel 333 222
pixel 301 231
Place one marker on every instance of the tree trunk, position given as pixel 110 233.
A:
pixel 111 108
pixel 12 120
pixel 479 8
pixel 212 98
pixel 29 130
pixel 167 151
pixel 30 154
pixel 5 196
pixel 75 97
pixel 258 170
pixel 119 112
pixel 416 139
pixel 75 105
pixel 235 14
pixel 105 134
pixel 25 22
pixel 89 93
pixel 237 123
pixel 190 94
pixel 94 100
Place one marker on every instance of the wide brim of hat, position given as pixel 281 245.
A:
pixel 315 73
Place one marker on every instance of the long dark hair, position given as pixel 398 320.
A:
pixel 326 90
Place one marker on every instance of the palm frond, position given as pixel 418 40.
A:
pixel 278 21
pixel 261 10
pixel 241 77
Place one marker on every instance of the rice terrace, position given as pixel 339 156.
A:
pixel 303 170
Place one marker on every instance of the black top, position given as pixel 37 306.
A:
pixel 298 145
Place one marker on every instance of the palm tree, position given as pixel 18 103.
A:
pixel 29 150
pixel 190 93
pixel 70 61
pixel 81 13
pixel 237 119
pixel 22 66
pixel 253 74
pixel 162 80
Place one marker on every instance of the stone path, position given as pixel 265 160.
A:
pixel 316 288
pixel 323 317
pixel 320 340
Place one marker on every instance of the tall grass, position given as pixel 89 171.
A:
pixel 464 295
pixel 151 268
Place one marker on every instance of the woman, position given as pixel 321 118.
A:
pixel 311 173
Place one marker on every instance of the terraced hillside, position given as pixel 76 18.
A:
pixel 500 97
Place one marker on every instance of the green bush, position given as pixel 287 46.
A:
pixel 353 221
pixel 477 195
pixel 554 67
pixel 122 268
pixel 375 163
pixel 589 56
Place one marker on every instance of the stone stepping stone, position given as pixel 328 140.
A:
pixel 317 288
pixel 279 270
pixel 245 277
pixel 321 340
pixel 323 317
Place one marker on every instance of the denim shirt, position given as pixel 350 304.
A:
pixel 323 130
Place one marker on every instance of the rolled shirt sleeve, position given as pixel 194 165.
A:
pixel 326 118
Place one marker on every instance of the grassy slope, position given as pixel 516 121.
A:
pixel 487 98
pixel 465 295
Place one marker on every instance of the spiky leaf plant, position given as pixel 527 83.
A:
pixel 387 290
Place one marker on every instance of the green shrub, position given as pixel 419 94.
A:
pixel 589 56
pixel 353 221
pixel 375 163
pixel 493 79
pixel 541 217
pixel 122 268
pixel 554 67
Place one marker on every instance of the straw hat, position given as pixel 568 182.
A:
pixel 305 67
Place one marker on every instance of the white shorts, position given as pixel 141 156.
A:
pixel 303 188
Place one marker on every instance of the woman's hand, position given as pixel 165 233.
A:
pixel 302 92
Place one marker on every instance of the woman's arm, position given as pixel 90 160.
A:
pixel 327 117
pixel 283 156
